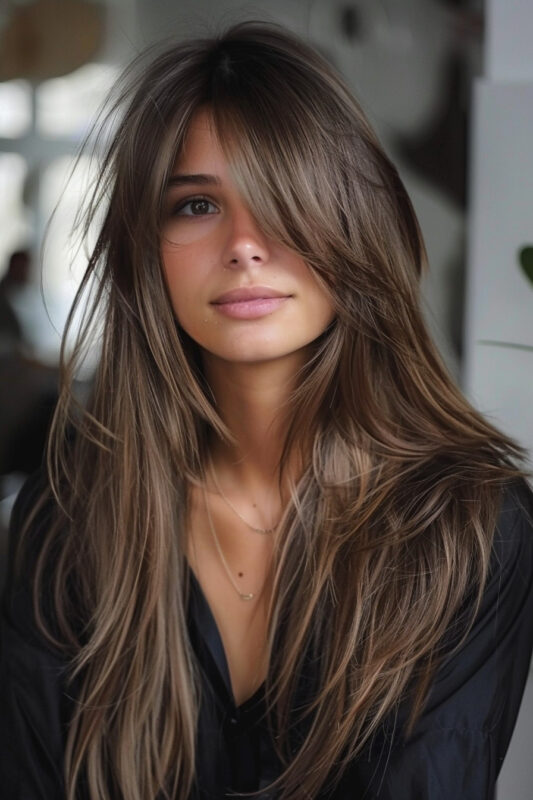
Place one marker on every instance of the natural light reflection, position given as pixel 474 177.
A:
pixel 64 256
pixel 15 109
pixel 66 107
pixel 15 229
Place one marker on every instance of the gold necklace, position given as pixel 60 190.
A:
pixel 264 531
pixel 242 595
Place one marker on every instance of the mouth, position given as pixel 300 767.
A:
pixel 247 293
pixel 250 302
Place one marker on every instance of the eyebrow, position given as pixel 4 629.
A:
pixel 198 179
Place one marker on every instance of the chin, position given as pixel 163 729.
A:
pixel 260 353
pixel 252 357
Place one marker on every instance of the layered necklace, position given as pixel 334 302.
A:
pixel 242 595
pixel 235 511
pixel 263 531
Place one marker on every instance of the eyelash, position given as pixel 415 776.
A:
pixel 197 199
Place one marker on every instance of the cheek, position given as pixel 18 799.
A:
pixel 183 277
pixel 326 311
pixel 321 307
pixel 320 304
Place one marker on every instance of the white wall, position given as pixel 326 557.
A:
pixel 509 50
pixel 499 302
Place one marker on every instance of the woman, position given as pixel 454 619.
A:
pixel 279 553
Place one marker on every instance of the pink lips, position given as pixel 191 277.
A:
pixel 249 302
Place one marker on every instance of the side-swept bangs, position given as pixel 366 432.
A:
pixel 311 170
pixel 301 151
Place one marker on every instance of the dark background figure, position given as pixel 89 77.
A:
pixel 17 274
pixel 28 393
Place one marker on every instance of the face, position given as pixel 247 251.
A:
pixel 240 295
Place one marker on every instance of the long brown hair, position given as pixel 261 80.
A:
pixel 391 521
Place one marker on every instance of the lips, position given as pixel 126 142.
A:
pixel 250 302
pixel 246 294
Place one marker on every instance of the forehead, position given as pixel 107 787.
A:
pixel 201 151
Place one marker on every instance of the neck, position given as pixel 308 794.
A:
pixel 252 400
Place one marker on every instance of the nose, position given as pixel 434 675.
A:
pixel 246 245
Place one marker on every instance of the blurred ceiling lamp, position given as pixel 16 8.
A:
pixel 49 38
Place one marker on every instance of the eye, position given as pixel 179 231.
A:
pixel 196 207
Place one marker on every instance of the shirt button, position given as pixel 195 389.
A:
pixel 233 720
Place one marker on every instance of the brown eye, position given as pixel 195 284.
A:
pixel 197 207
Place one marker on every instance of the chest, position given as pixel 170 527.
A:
pixel 231 565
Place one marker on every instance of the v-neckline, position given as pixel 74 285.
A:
pixel 212 637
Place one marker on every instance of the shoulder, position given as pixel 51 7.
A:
pixel 27 498
pixel 29 524
pixel 508 591
pixel 507 601
pixel 515 518
pixel 499 641
pixel 30 518
pixel 512 547
pixel 36 693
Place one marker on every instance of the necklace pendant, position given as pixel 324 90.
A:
pixel 242 595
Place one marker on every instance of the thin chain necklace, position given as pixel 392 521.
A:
pixel 264 531
pixel 242 595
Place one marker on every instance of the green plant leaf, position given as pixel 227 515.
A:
pixel 525 258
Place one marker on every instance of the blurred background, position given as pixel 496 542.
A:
pixel 448 84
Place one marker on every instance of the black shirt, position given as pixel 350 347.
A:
pixel 455 751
